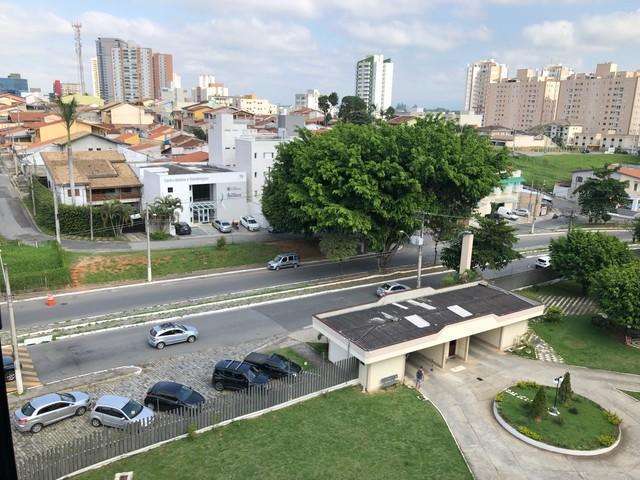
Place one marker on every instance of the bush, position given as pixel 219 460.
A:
pixel 573 410
pixel 539 404
pixel 221 243
pixel 553 314
pixel 159 235
pixel 606 440
pixel 499 397
pixel 456 279
pixel 527 384
pixel 565 393
pixel 529 433
pixel 600 320
pixel 612 417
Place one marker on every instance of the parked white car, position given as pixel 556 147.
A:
pixel 543 261
pixel 507 213
pixel 249 223
pixel 521 212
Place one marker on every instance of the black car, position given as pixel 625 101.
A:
pixel 237 375
pixel 182 228
pixel 274 365
pixel 9 368
pixel 169 395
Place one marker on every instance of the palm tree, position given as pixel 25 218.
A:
pixel 69 112
pixel 164 209
pixel 116 214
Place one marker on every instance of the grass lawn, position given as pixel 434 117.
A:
pixel 294 356
pixel 581 343
pixel 132 266
pixel 342 435
pixel 553 168
pixel 321 347
pixel 565 288
pixel 32 268
pixel 635 395
pixel 577 431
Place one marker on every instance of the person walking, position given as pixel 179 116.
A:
pixel 419 378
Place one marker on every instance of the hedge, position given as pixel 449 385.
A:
pixel 74 220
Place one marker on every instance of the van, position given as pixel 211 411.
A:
pixel 284 260
pixel 507 213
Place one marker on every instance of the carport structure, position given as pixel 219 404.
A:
pixel 436 324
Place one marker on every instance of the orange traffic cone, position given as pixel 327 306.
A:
pixel 50 301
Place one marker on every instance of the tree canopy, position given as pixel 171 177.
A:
pixel 581 254
pixel 354 110
pixel 493 242
pixel 603 194
pixel 616 289
pixel 371 181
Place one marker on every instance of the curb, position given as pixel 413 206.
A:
pixel 551 448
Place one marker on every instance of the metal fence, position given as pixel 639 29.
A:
pixel 107 443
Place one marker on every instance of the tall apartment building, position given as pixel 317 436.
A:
pixel 208 88
pixel 132 73
pixel 309 99
pixel 374 81
pixel 95 78
pixel 606 102
pixel 162 72
pixel 104 60
pixel 479 76
pixel 523 102
pixel 70 88
pixel 557 72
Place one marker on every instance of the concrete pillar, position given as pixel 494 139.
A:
pixel 465 252
pixel 336 353
pixel 462 348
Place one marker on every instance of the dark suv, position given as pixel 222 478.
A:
pixel 169 395
pixel 9 368
pixel 237 375
pixel 274 365
pixel 182 228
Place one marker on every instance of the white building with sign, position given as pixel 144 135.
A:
pixel 206 192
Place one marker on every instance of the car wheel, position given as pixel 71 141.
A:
pixel 95 422
pixel 191 339
pixel 81 411
pixel 296 265
pixel 36 428
pixel 160 345
pixel 218 386
pixel 10 377
pixel 278 267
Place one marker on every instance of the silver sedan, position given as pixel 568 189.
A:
pixel 51 408
pixel 169 333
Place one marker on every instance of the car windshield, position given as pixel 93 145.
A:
pixel 386 286
pixel 224 224
pixel 67 397
pixel 280 362
pixel 184 393
pixel 278 258
pixel 132 409
pixel 27 409
pixel 153 331
pixel 251 220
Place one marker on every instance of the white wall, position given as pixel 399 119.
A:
pixel 511 334
pixel 372 374
pixel 492 337
pixel 223 131
pixel 336 353
pixel 437 354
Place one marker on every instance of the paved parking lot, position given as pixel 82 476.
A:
pixel 192 369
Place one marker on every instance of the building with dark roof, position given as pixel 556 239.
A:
pixel 435 324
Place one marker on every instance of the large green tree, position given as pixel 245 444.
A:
pixel 354 110
pixel 601 195
pixel 493 242
pixel 581 254
pixel 441 228
pixel 616 289
pixel 371 181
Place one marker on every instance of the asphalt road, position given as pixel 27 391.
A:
pixel 74 356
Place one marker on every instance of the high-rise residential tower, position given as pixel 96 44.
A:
pixel 479 76
pixel 104 64
pixel 374 81
pixel 95 79
pixel 162 73
pixel 132 73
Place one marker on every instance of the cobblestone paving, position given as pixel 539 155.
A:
pixel 544 351
pixel 193 369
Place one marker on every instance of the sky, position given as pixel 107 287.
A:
pixel 276 48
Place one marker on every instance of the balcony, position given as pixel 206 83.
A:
pixel 116 194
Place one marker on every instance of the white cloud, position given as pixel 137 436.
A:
pixel 413 34
pixel 559 34
pixel 611 30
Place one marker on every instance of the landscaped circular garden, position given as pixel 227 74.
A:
pixel 580 424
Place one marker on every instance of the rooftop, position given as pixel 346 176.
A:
pixel 384 323
pixel 98 169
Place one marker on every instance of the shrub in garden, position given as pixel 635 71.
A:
pixel 606 440
pixel 539 405
pixel 564 392
pixel 573 410
pixel 553 314
pixel 612 417
pixel 499 397
pixel 529 433
pixel 527 384
pixel 221 243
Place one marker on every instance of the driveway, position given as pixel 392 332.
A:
pixel 16 224
pixel 465 396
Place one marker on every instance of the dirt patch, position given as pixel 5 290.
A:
pixel 307 249
pixel 115 263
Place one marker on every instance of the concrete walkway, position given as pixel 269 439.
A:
pixel 465 397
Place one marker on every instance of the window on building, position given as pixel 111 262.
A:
pixel 170 190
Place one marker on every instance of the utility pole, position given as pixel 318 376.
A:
pixel 146 227
pixel 535 209
pixel 33 196
pixel 55 213
pixel 91 212
pixel 420 243
pixel 12 327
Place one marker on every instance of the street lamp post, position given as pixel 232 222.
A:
pixel 12 327
pixel 146 227
pixel 420 244
pixel 554 410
